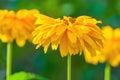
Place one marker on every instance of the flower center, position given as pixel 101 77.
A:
pixel 68 20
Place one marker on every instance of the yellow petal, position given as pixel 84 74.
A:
pixel 87 19
pixel 107 32
pixel 54 47
pixel 60 30
pixel 20 43
pixel 55 44
pixel 3 38
pixel 63 45
pixel 38 46
pixel 43 19
pixel 117 33
pixel 45 49
pixel 91 59
pixel 91 42
pixel 90 49
pixel 72 37
pixel 50 32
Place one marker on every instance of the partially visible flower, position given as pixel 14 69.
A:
pixel 73 35
pixel 6 18
pixel 17 26
pixel 111 50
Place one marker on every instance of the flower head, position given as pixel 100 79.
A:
pixel 72 35
pixel 111 49
pixel 17 26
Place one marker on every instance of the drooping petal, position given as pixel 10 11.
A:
pixel 72 37
pixel 63 45
pixel 91 42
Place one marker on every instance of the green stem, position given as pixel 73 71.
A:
pixel 9 60
pixel 68 67
pixel 107 72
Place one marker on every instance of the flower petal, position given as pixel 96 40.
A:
pixel 63 45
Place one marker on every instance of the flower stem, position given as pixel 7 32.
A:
pixel 68 67
pixel 9 60
pixel 107 72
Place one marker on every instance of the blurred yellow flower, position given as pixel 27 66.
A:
pixel 111 50
pixel 73 35
pixel 17 26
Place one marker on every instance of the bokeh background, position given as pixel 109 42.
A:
pixel 52 65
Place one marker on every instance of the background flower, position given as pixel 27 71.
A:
pixel 111 50
pixel 17 26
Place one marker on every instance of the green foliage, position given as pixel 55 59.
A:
pixel 25 76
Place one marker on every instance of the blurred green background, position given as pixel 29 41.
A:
pixel 52 65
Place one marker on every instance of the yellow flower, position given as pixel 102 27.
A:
pixel 111 50
pixel 17 26
pixel 72 35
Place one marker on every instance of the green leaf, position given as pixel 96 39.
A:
pixel 25 76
